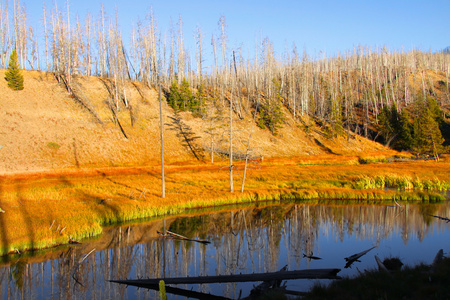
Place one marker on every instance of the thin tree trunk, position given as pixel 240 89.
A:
pixel 163 181
pixel 231 141
pixel 248 143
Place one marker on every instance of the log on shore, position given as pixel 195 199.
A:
pixel 283 275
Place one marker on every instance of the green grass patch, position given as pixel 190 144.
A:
pixel 399 182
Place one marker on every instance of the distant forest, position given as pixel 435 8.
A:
pixel 399 98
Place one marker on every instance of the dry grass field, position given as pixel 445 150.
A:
pixel 43 128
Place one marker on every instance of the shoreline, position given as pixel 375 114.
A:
pixel 52 208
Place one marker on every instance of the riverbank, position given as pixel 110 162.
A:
pixel 412 282
pixel 41 210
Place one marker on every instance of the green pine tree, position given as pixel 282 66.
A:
pixel 181 98
pixel 385 125
pixel 13 76
pixel 404 133
pixel 336 116
pixel 186 96
pixel 435 111
pixel 198 102
pixel 427 135
pixel 271 111
pixel 174 98
pixel 389 124
pixel 394 117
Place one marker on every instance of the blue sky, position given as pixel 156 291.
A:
pixel 327 26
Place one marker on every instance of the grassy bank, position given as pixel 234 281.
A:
pixel 46 209
pixel 419 282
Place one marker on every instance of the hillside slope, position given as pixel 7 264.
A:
pixel 45 128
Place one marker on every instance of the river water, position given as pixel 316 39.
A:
pixel 246 239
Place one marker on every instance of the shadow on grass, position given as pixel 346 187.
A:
pixel 3 232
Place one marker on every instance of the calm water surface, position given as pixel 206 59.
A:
pixel 245 240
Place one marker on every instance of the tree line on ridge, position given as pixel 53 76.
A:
pixel 396 97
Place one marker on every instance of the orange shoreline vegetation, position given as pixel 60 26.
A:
pixel 44 209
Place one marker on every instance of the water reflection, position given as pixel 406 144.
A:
pixel 257 239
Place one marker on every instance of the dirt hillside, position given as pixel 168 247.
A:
pixel 44 128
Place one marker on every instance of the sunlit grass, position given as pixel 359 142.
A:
pixel 43 212
pixel 400 182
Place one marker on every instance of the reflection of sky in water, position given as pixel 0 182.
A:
pixel 333 250
pixel 338 233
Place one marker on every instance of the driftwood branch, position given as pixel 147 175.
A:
pixel 283 275
pixel 311 256
pixel 181 237
pixel 78 266
pixel 441 218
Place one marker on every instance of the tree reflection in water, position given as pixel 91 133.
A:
pixel 257 239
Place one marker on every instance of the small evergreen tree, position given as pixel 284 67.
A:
pixel 389 124
pixel 427 135
pixel 174 98
pixel 435 111
pixel 404 139
pixel 181 98
pixel 394 117
pixel 385 125
pixel 13 76
pixel 271 112
pixel 336 116
pixel 186 96
pixel 199 101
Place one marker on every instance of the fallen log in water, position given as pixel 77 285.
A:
pixel 441 218
pixel 351 259
pixel 181 237
pixel 311 256
pixel 280 275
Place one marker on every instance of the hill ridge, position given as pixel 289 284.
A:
pixel 46 128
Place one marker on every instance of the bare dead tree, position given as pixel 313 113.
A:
pixel 163 179
pixel 231 141
pixel 181 52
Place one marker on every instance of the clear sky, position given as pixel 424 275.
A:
pixel 327 26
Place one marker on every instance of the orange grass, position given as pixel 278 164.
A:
pixel 42 210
